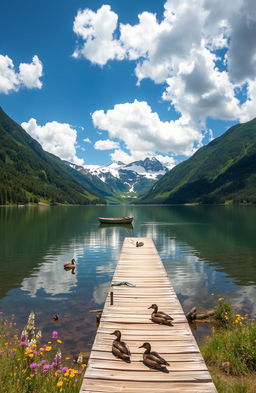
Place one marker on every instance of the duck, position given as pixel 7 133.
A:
pixel 55 317
pixel 160 317
pixel 139 244
pixel 70 265
pixel 120 348
pixel 153 359
pixel 98 316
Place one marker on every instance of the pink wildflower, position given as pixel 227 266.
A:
pixel 55 334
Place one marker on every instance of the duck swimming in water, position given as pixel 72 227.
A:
pixel 160 317
pixel 120 348
pixel 70 265
pixel 153 359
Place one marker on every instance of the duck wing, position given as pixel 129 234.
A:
pixel 122 347
pixel 158 358
pixel 161 314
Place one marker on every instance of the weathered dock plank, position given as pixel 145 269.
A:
pixel 105 373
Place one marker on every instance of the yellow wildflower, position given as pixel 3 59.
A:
pixel 59 341
pixel 59 383
pixel 49 342
pixel 67 357
pixel 48 348
pixel 83 365
pixel 220 299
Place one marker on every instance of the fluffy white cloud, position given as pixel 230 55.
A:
pixel 56 138
pixel 106 144
pixel 29 75
pixel 179 50
pixel 97 29
pixel 143 132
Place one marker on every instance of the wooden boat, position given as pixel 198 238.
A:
pixel 115 220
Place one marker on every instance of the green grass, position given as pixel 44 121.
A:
pixel 28 365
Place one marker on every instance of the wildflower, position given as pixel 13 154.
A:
pixel 55 334
pixel 59 341
pixel 59 383
pixel 46 368
pixel 23 343
pixel 1 351
pixel 220 299
pixel 48 348
pixel 57 359
pixel 64 369
pixel 1 312
pixel 33 365
pixel 83 365
pixel 67 357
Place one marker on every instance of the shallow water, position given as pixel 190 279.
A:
pixel 205 250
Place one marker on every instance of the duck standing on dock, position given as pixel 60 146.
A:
pixel 120 348
pixel 153 359
pixel 139 244
pixel 160 317
pixel 70 265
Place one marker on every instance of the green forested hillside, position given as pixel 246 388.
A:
pixel 223 171
pixel 29 174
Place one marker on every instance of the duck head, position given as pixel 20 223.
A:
pixel 117 333
pixel 147 346
pixel 154 306
pixel 73 261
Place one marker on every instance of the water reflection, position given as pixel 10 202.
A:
pixel 205 249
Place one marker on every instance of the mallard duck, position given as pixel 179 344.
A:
pixel 153 359
pixel 139 244
pixel 160 317
pixel 120 348
pixel 70 265
pixel 55 317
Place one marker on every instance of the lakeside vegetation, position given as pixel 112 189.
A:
pixel 230 351
pixel 28 365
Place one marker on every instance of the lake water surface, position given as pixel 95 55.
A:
pixel 205 250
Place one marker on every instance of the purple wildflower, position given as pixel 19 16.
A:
pixel 58 371
pixel 1 312
pixel 34 365
pixel 55 334
pixel 46 368
pixel 57 359
pixel 64 369
pixel 23 343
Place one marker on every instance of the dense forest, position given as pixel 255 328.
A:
pixel 29 174
pixel 224 171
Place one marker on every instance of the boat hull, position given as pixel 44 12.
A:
pixel 117 220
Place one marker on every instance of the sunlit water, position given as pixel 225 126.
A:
pixel 205 250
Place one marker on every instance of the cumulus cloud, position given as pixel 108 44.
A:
pixel 96 30
pixel 28 76
pixel 143 132
pixel 179 51
pixel 106 144
pixel 56 138
pixel 87 140
pixel 30 73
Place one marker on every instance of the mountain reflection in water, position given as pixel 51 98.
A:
pixel 205 249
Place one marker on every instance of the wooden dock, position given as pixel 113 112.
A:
pixel 105 373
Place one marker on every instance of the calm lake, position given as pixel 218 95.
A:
pixel 205 250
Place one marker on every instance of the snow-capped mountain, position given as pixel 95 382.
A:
pixel 136 177
pixel 123 180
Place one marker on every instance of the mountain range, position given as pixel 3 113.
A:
pixel 30 174
pixel 123 180
pixel 223 171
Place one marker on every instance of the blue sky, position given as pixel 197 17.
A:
pixel 93 81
